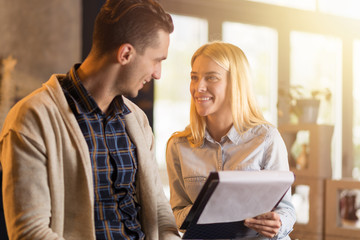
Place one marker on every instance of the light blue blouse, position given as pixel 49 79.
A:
pixel 259 148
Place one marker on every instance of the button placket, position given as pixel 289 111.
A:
pixel 219 157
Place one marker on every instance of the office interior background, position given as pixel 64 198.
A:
pixel 311 45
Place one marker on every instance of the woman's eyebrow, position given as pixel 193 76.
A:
pixel 213 72
pixel 207 73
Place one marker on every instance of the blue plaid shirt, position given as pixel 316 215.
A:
pixel 113 160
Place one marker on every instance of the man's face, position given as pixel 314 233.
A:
pixel 147 66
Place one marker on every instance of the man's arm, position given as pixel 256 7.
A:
pixel 167 229
pixel 167 225
pixel 26 194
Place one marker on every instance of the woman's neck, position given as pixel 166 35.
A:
pixel 218 127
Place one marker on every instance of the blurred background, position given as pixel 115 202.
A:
pixel 311 45
pixel 297 49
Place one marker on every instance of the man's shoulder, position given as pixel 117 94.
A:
pixel 135 109
pixel 33 107
pixel 131 105
pixel 42 96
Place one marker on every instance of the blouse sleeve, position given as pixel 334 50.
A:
pixel 276 158
pixel 179 200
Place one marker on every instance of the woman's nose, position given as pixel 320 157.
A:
pixel 201 86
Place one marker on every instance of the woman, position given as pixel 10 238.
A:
pixel 226 132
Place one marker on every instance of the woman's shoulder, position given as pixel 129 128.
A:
pixel 177 142
pixel 263 129
pixel 269 132
pixel 178 138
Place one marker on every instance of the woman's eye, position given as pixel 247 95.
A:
pixel 212 78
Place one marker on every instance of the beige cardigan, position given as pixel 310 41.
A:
pixel 47 175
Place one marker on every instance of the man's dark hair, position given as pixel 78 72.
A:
pixel 129 21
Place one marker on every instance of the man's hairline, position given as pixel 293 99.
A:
pixel 153 44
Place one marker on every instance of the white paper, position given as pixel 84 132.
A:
pixel 245 194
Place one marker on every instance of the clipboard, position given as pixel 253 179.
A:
pixel 206 218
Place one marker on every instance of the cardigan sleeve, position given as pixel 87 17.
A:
pixel 152 191
pixel 47 181
pixel 26 194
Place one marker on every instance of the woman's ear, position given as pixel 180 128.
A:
pixel 126 52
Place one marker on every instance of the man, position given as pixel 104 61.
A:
pixel 77 156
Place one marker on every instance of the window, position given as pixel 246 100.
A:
pixel 345 8
pixel 316 63
pixel 172 95
pixel 309 42
pixel 260 47
pixel 300 4
pixel 356 114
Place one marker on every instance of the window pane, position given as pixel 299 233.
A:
pixel 299 4
pixel 260 46
pixel 172 95
pixel 345 8
pixel 315 64
pixel 356 96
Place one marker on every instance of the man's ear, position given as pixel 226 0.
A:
pixel 125 53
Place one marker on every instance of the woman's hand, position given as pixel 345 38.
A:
pixel 267 224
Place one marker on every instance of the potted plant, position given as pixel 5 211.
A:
pixel 304 103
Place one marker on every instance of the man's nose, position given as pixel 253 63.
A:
pixel 157 73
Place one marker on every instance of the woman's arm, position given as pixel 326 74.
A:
pixel 179 200
pixel 279 222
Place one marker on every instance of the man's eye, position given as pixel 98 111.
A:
pixel 193 78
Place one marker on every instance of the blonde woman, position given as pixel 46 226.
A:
pixel 227 131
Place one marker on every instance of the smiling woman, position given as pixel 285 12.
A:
pixel 227 131
pixel 208 88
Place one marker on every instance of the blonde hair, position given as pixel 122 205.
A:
pixel 245 111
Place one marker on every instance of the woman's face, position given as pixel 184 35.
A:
pixel 208 88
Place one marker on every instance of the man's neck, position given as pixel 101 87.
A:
pixel 96 77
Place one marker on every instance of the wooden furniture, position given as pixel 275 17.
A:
pixel 309 187
pixel 319 149
pixel 337 226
